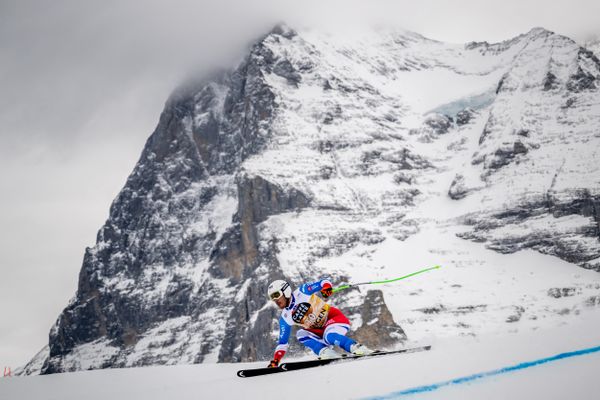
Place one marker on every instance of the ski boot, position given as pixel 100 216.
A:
pixel 327 353
pixel 360 350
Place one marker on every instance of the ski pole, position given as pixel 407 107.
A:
pixel 337 289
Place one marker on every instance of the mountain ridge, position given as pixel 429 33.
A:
pixel 315 151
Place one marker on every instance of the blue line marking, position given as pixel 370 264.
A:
pixel 469 378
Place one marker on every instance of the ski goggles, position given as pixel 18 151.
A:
pixel 276 295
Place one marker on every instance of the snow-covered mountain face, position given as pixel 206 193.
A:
pixel 358 158
pixel 593 45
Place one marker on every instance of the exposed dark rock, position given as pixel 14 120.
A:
pixel 546 241
pixel 375 162
pixel 371 160
pixel 465 116
pixel 505 155
pixel 240 342
pixel 474 45
pixel 585 79
pixel 236 253
pixel 501 83
pixel 327 172
pixel 458 189
pixel 487 129
pixel 594 266
pixel 461 310
pixel 406 160
pixel 332 114
pixel 403 177
pixel 569 103
pixel 439 123
pixel 519 148
pixel 325 146
pixel 378 329
pixel 557 293
pixel 259 198
pixel 433 310
pixel 550 81
pixel 239 257
pixel 286 70
pixel 517 315
pixel 581 202
pixel 581 80
pixel 593 301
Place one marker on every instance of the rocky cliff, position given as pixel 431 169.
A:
pixel 313 157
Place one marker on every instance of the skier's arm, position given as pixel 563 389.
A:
pixel 324 286
pixel 282 345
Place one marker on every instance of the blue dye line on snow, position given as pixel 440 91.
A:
pixel 470 378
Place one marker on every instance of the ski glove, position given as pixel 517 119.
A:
pixel 273 364
pixel 326 291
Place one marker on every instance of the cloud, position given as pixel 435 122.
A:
pixel 63 59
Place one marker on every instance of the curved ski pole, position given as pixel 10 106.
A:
pixel 339 288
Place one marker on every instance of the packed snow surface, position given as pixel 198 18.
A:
pixel 385 376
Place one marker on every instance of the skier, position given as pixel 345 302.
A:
pixel 322 325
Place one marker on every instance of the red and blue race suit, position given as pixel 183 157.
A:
pixel 322 325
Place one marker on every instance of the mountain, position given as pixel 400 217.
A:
pixel 593 45
pixel 358 157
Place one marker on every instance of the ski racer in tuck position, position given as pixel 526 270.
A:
pixel 323 326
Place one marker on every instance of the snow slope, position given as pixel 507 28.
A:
pixel 574 377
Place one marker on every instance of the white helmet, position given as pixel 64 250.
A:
pixel 279 288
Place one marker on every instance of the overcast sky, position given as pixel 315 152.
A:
pixel 82 85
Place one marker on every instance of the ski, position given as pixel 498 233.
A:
pixel 296 365
pixel 248 373
pixel 292 366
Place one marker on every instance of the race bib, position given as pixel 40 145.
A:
pixel 311 314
